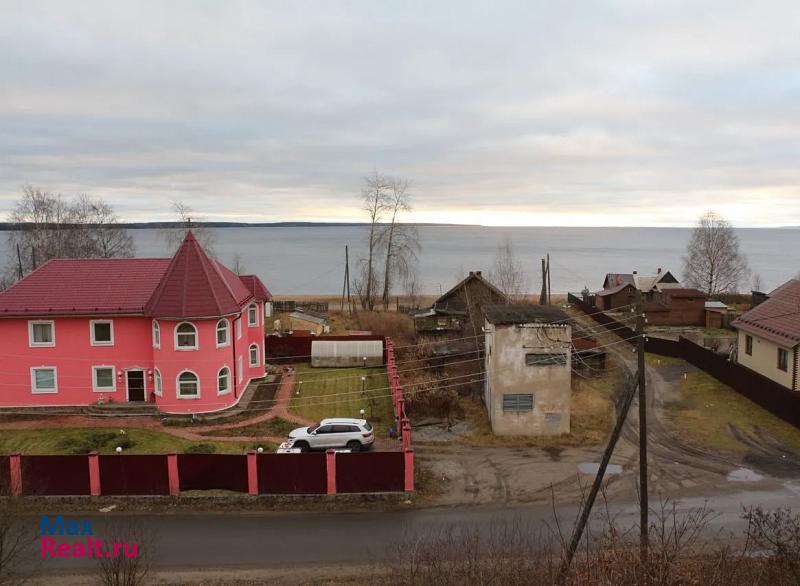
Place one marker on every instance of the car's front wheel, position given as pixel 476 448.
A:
pixel 302 446
pixel 354 446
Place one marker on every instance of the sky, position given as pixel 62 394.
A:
pixel 607 113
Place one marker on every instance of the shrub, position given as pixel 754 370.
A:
pixel 201 449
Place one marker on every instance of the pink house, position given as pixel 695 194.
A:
pixel 185 333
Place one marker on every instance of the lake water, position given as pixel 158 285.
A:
pixel 310 260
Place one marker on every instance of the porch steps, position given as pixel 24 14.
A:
pixel 122 410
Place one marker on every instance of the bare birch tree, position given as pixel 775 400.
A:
pixel 47 226
pixel 713 261
pixel 375 194
pixel 400 241
pixel 508 273
pixel 187 220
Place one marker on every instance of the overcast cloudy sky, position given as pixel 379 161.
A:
pixel 518 113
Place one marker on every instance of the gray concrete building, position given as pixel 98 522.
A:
pixel 528 364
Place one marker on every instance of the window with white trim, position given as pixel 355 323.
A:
pixel 223 333
pixel 159 385
pixel 156 335
pixel 44 379
pixel 188 386
pixel 103 379
pixel 252 315
pixel 41 333
pixel 102 332
pixel 240 369
pixel 239 328
pixel 224 380
pixel 253 355
pixel 185 336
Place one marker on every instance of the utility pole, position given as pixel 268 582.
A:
pixel 346 282
pixel 643 502
pixel 19 263
pixel 549 291
pixel 543 296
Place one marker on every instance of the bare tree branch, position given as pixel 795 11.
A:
pixel 713 261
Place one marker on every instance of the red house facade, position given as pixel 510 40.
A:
pixel 185 333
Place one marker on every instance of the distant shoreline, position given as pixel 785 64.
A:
pixel 8 226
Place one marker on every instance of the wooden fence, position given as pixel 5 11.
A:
pixel 762 391
pixel 286 349
pixel 169 474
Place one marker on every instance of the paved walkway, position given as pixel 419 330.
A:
pixel 279 410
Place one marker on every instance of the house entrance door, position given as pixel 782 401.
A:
pixel 135 379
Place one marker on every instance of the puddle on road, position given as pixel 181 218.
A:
pixel 744 475
pixel 593 467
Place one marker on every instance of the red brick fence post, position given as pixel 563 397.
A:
pixel 330 457
pixel 94 474
pixel 15 463
pixel 252 472
pixel 408 469
pixel 173 474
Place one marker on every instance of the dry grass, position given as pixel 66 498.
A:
pixel 591 418
pixel 708 408
pixel 657 360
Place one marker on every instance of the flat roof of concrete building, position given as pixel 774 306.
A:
pixel 525 314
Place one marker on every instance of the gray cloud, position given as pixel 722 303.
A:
pixel 524 112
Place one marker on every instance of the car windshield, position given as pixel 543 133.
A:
pixel 314 427
pixel 367 426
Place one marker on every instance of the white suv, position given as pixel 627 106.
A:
pixel 353 434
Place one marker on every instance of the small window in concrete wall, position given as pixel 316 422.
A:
pixel 748 345
pixel 783 359
pixel 552 417
pixel 545 359
pixel 517 402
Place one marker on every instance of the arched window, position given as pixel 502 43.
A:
pixel 158 384
pixel 186 337
pixel 223 380
pixel 156 335
pixel 188 385
pixel 223 332
pixel 252 315
pixel 253 355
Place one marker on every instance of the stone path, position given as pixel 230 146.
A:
pixel 279 410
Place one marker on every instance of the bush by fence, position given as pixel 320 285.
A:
pixel 762 391
pixel 168 474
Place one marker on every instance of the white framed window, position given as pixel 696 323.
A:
pixel 156 335
pixel 158 383
pixel 223 333
pixel 252 315
pixel 239 328
pixel 224 380
pixel 253 352
pixel 185 336
pixel 267 309
pixel 101 332
pixel 240 368
pixel 188 385
pixel 44 379
pixel 41 333
pixel 103 379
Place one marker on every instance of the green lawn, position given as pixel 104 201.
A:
pixel 706 409
pixel 81 440
pixel 274 427
pixel 337 393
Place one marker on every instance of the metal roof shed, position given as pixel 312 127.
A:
pixel 346 353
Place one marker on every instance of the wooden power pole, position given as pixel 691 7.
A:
pixel 643 501
pixel 346 282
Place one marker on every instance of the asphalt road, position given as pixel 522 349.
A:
pixel 281 540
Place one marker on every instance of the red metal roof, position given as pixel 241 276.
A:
pixel 189 285
pixel 778 318
pixel 194 285
pixel 85 286
pixel 256 287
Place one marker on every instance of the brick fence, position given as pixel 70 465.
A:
pixel 169 474
pixel 398 400
pixel 762 391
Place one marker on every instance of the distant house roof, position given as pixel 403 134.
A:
pixel 778 318
pixel 431 311
pixel 716 305
pixel 195 285
pixel 114 286
pixel 685 292
pixel 189 285
pixel 256 287
pixel 616 289
pixel 473 276
pixel 617 279
pixel 615 282
pixel 524 314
